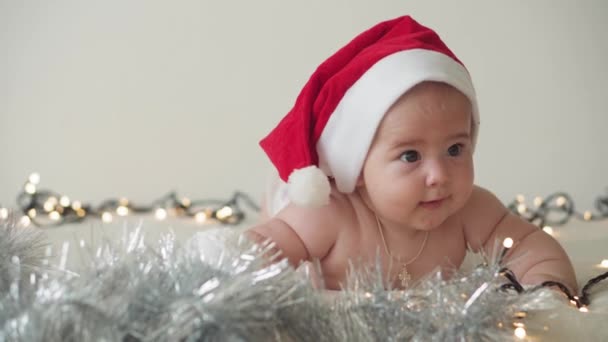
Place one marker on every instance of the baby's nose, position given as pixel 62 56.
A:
pixel 436 173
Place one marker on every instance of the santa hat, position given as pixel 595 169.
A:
pixel 335 117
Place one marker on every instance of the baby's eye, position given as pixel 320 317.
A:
pixel 410 156
pixel 455 150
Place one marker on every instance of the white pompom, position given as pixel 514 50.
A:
pixel 308 187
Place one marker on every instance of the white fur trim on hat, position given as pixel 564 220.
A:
pixel 345 140
pixel 308 186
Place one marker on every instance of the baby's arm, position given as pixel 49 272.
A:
pixel 300 233
pixel 536 257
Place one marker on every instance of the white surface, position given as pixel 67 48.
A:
pixel 135 98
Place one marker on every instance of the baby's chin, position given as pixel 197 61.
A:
pixel 429 220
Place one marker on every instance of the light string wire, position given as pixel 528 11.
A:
pixel 46 208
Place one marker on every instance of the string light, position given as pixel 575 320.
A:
pixel 3 213
pixel 587 215
pixel 30 188
pixel 61 210
pixel 122 210
pixel 520 333
pixel 604 263
pixel 106 217
pixel 557 209
pixel 34 178
pixel 64 201
pixel 507 243
pixel 160 214
pixel 201 217
pixel 31 213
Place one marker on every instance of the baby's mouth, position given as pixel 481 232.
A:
pixel 433 204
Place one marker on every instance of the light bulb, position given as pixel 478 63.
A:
pixel 64 201
pixel 160 214
pixel 507 243
pixel 106 217
pixel 30 188
pixel 520 333
pixel 587 215
pixel 3 213
pixel 54 215
pixel 34 178
pixel 200 217
pixel 224 213
pixel 548 230
pixel 122 211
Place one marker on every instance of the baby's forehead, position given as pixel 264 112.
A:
pixel 429 105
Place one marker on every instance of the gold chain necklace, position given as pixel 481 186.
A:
pixel 404 276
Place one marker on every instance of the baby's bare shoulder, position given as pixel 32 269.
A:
pixel 480 215
pixel 319 227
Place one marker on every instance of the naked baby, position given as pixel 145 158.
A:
pixel 377 155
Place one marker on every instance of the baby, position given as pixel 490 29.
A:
pixel 377 154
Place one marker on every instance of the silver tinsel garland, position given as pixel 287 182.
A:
pixel 131 291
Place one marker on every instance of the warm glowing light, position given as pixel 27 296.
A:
pixel 123 202
pixel 64 201
pixel 507 243
pixel 520 333
pixel 521 208
pixel 106 217
pixel 224 213
pixel 80 212
pixel 583 309
pixel 25 221
pixel 30 188
pixel 200 217
pixel 3 213
pixel 604 263
pixel 54 215
pixel 587 215
pixel 122 211
pixel 538 201
pixel 49 206
pixel 520 198
pixel 160 214
pixel 561 201
pixel 34 178
pixel 548 230
pixel 76 205
pixel 31 212
pixel 186 202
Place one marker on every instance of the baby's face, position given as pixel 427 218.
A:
pixel 419 169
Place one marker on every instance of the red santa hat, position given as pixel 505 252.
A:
pixel 330 128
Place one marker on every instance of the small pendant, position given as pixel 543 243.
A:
pixel 404 276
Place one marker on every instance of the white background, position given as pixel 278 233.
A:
pixel 135 98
